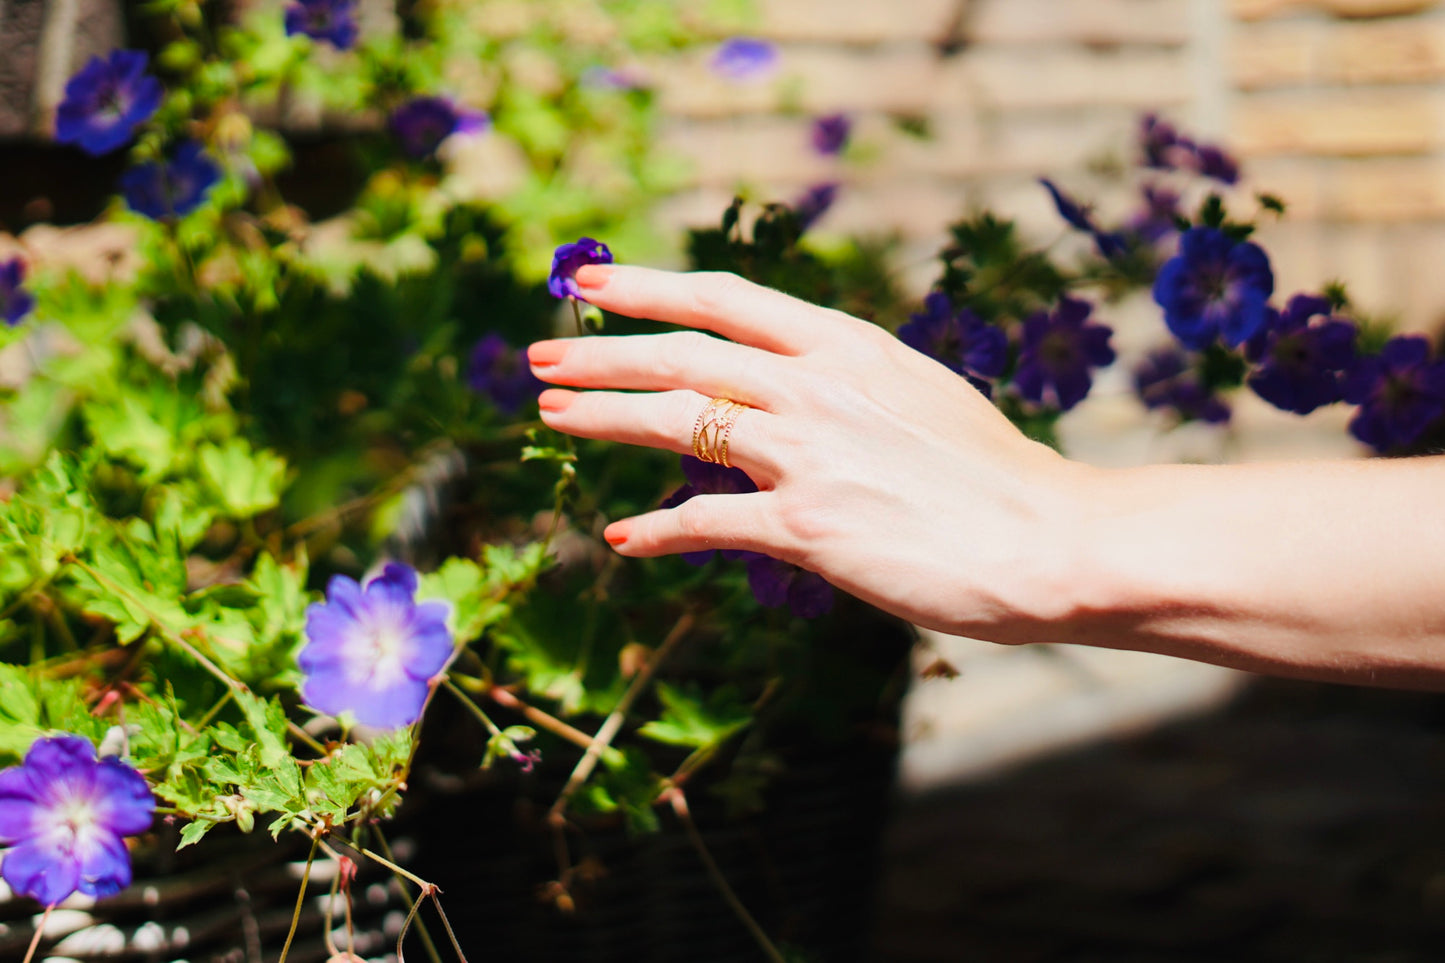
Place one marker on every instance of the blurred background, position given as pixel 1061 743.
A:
pixel 1057 804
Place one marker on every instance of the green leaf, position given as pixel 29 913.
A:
pixel 248 482
pixel 690 719
pixel 461 583
pixel 193 831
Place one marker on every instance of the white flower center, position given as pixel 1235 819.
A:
pixel 69 821
pixel 379 653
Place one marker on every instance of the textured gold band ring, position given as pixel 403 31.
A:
pixel 712 429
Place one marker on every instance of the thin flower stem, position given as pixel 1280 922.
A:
pixel 613 724
pixel 300 899
pixel 39 932
pixel 426 941
pixel 456 947
pixel 545 720
pixel 416 905
pixel 684 815
pixel 331 903
pixel 577 316
pixel 475 709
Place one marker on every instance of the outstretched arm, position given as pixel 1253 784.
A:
pixel 897 481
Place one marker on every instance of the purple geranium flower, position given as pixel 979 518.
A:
pixel 1215 285
pixel 331 21
pixel 1158 143
pixel 15 301
pixel 373 651
pixel 776 583
pixel 708 478
pixel 744 58
pixel 500 371
pixel 1058 353
pixel 1301 362
pixel 830 133
pixel 1400 391
pixel 63 818
pixel 814 203
pixel 1165 381
pixel 1159 217
pixel 421 124
pixel 173 189
pixel 1078 215
pixel 106 101
pixel 1214 163
pixel 960 340
pixel 562 281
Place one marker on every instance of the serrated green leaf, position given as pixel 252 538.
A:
pixel 247 482
pixel 193 831
pixel 691 719
pixel 461 583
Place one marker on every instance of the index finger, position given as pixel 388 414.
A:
pixel 716 301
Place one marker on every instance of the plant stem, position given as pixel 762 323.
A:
pixel 545 720
pixel 475 709
pixel 427 943
pixel 613 724
pixel 684 815
pixel 39 932
pixel 300 898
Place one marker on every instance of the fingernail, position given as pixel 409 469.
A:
pixel 617 532
pixel 593 275
pixel 555 399
pixel 545 353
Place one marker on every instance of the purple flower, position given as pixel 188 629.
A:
pixel 1214 285
pixel 1058 353
pixel 15 301
pixel 1078 215
pixel 830 133
pixel 331 21
pixel 814 203
pixel 1158 143
pixel 961 340
pixel 744 58
pixel 1400 391
pixel 708 478
pixel 1214 163
pixel 1165 381
pixel 106 101
pixel 501 372
pixel 562 282
pixel 1158 218
pixel 372 651
pixel 1301 362
pixel 63 818
pixel 776 583
pixel 173 189
pixel 421 124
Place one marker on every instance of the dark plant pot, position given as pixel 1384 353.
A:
pixel 805 866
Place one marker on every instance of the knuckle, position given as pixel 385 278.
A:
pixel 675 354
pixel 716 291
pixel 692 520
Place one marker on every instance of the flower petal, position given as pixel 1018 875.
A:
pixel 44 873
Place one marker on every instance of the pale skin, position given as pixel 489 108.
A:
pixel 897 481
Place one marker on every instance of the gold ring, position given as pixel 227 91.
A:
pixel 713 427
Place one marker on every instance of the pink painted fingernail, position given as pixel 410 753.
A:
pixel 555 399
pixel 593 275
pixel 544 353
pixel 617 532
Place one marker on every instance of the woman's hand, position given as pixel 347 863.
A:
pixel 877 467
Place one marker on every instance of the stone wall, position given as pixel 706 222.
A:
pixel 1336 105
